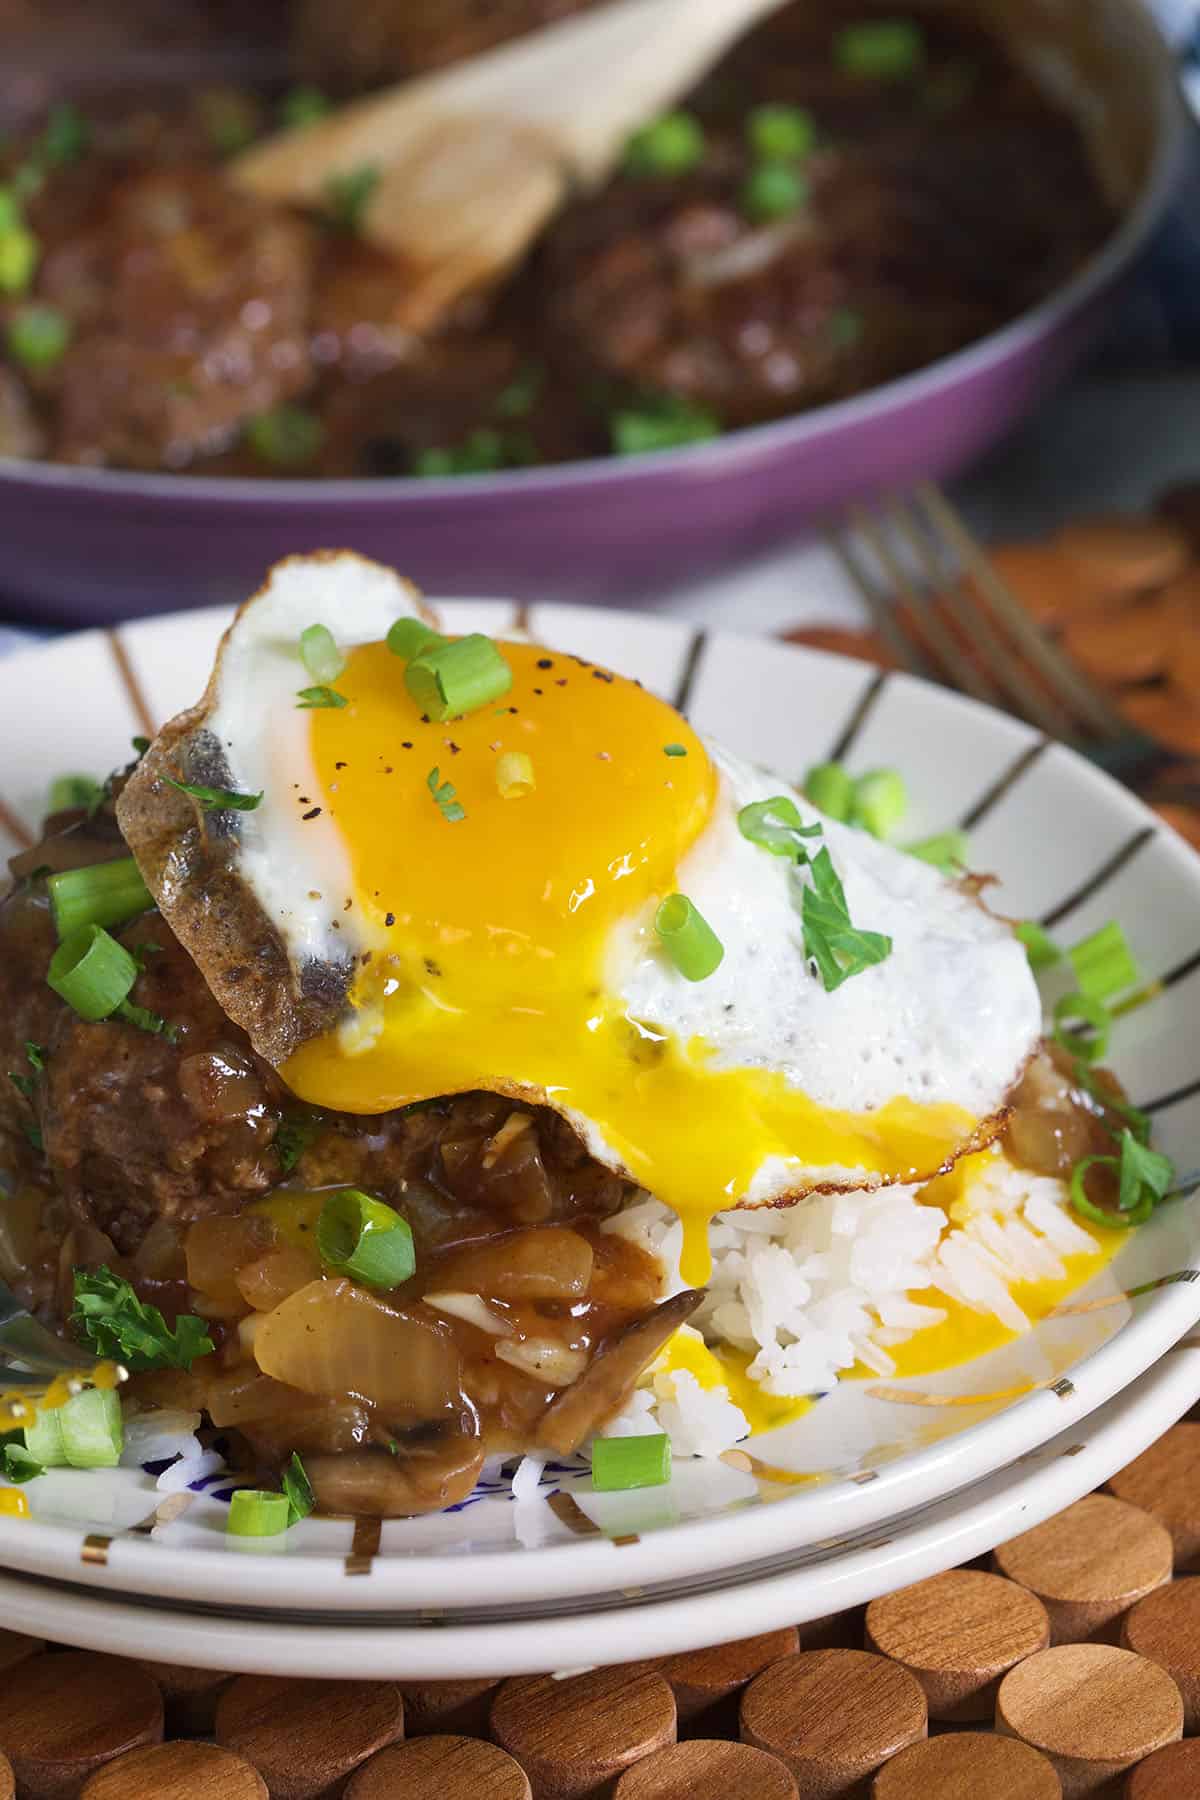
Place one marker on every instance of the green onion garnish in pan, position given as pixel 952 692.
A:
pixel 70 791
pixel 880 801
pixel 302 106
pixel 88 1432
pixel 364 1239
pixel 1089 1045
pixel 1144 1178
pixel 688 939
pixel 408 637
pixel 781 133
pixel 106 894
pixel 348 196
pixel 838 947
pixel 253 1513
pixel 774 191
pixel 830 787
pixel 210 799
pixel 297 1490
pixel 620 1463
pixel 92 972
pixel 1103 963
pixel 37 336
pixel 776 825
pixel 948 851
pixel 314 699
pixel 661 423
pixel 320 654
pixel 444 797
pixel 19 253
pixel 287 437
pixel 447 680
pixel 880 49
pixel 674 750
pixel 671 145
pixel 1040 947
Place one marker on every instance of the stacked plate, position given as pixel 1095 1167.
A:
pixel 880 1483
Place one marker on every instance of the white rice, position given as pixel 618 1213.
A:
pixel 814 1289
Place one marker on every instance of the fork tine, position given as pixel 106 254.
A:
pixel 962 670
pixel 1068 683
pixel 882 612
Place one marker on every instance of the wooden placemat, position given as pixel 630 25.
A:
pixel 1071 1666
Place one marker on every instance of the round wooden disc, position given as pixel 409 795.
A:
pixel 959 1633
pixel 177 1772
pixel 833 1716
pixel 1095 1710
pixel 440 1768
pixel 1165 1627
pixel 15 1647
pixel 303 1736
pixel 453 1707
pixel 1172 1773
pixel 1089 1565
pixel 63 1715
pixel 8 1785
pixel 189 1695
pixel 1165 1481
pixel 1125 555
pixel 573 1737
pixel 702 1679
pixel 968 1765
pixel 707 1769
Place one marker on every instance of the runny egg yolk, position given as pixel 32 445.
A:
pixel 490 933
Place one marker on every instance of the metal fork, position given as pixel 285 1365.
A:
pixel 32 1358
pixel 921 552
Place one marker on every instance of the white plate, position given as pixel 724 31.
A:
pixel 1072 847
pixel 827 1579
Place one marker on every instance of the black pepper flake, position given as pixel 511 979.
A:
pixel 389 770
pixel 544 662
pixel 389 918
pixel 424 718
pixel 406 745
pixel 347 906
pixel 432 968
pixel 341 765
pixel 537 691
pixel 602 675
pixel 561 682
pixel 314 814
pixel 452 747
pixel 366 957
pixel 336 923
pixel 303 800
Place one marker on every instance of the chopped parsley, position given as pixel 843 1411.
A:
pixel 314 698
pixel 145 1020
pixel 211 799
pixel 347 196
pixel 110 1320
pixel 674 750
pixel 293 1138
pixel 444 797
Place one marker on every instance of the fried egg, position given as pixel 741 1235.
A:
pixel 383 944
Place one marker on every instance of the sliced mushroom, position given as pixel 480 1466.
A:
pixel 607 1383
pixel 426 1474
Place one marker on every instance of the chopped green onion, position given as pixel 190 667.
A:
pixel 295 1135
pixel 347 196
pixel 19 253
pixel 518 399
pixel 408 637
pixel 666 423
pixel 1103 963
pixel 231 119
pixel 303 106
pixel 880 49
pixel 674 750
pixel 948 851
pixel 93 1431
pixel 253 1513
pixel 37 336
pixel 297 1490
pixel 66 136
pixel 44 1438
pixel 483 450
pixel 773 191
pixel 688 939
pixel 880 801
pixel 444 797
pixel 320 654
pixel 837 947
pixel 1087 1208
pixel 1040 947
pixel 776 825
pixel 845 327
pixel 514 775
pixel 1089 1012
pixel 17 1465
pixel 27 181
pixel 210 799
pixel 144 1020
pixel 105 894
pixel 10 210
pixel 620 1463
pixel 671 145
pixel 831 789
pixel 449 679
pixel 781 133
pixel 287 437
pixel 92 972
pixel 70 791
pixel 313 699
pixel 366 1240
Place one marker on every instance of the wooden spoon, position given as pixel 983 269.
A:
pixel 471 162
